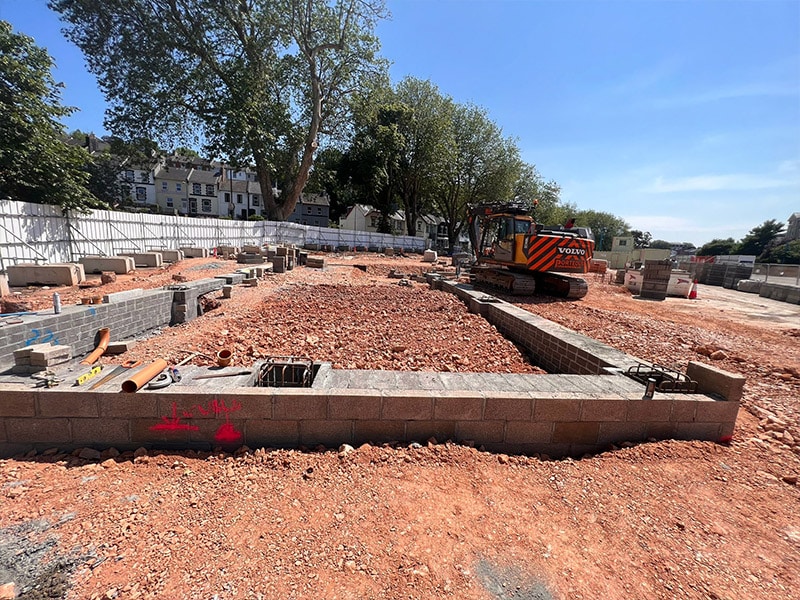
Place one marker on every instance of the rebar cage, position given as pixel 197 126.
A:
pixel 286 371
pixel 667 380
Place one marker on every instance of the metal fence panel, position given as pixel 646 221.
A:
pixel 43 233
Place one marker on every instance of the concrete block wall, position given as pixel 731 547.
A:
pixel 558 415
pixel 185 299
pixel 555 423
pixel 77 326
pixel 783 293
pixel 552 347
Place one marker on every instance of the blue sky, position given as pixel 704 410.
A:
pixel 682 117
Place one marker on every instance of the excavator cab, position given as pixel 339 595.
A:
pixel 503 238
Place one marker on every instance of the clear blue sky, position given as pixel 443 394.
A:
pixel 683 118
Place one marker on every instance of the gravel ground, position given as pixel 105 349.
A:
pixel 657 520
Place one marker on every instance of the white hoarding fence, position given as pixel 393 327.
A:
pixel 41 233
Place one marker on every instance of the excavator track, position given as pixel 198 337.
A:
pixel 526 284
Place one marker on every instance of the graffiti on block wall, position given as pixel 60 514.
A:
pixel 225 434
pixel 41 337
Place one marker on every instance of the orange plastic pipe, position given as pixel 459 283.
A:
pixel 105 336
pixel 143 376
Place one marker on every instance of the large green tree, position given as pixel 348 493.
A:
pixel 718 247
pixel 759 239
pixel 36 163
pixel 787 253
pixel 372 163
pixel 425 132
pixel 605 226
pixel 480 166
pixel 256 81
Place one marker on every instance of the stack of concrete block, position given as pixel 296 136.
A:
pixel 279 264
pixel 315 262
pixel 227 252
pixel 302 258
pixel 250 258
pixel 388 251
pixel 716 274
pixel 734 274
pixel 39 357
pixel 655 279
pixel 288 254
pixel 430 256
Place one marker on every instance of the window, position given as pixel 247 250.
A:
pixel 178 187
pixel 164 185
pixel 141 194
pixel 170 203
pixel 206 205
pixel 319 210
pixel 227 197
pixel 144 177
pixel 374 222
pixel 623 242
pixel 255 200
pixel 238 198
pixel 210 189
pixel 309 210
pixel 192 205
pixel 128 175
pixel 197 188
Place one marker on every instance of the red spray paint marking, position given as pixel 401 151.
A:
pixel 173 423
pixel 225 434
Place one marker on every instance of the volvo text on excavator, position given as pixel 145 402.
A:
pixel 517 255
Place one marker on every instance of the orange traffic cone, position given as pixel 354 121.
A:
pixel 693 292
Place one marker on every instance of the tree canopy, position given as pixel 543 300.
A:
pixel 254 81
pixel 36 163
pixel 717 247
pixel 760 238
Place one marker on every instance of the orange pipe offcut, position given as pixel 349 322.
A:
pixel 105 336
pixel 146 374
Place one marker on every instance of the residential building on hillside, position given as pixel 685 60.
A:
pixel 362 217
pixel 793 228
pixel 140 179
pixel 202 193
pixel 172 189
pixel 312 209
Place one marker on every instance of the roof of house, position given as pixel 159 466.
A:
pixel 315 199
pixel 171 173
pixel 198 176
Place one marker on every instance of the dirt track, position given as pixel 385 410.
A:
pixel 658 520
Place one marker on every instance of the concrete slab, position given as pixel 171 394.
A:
pixel 146 259
pixel 190 252
pixel 118 264
pixel 123 296
pixel 172 256
pixel 47 274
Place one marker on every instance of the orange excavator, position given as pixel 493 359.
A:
pixel 517 255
